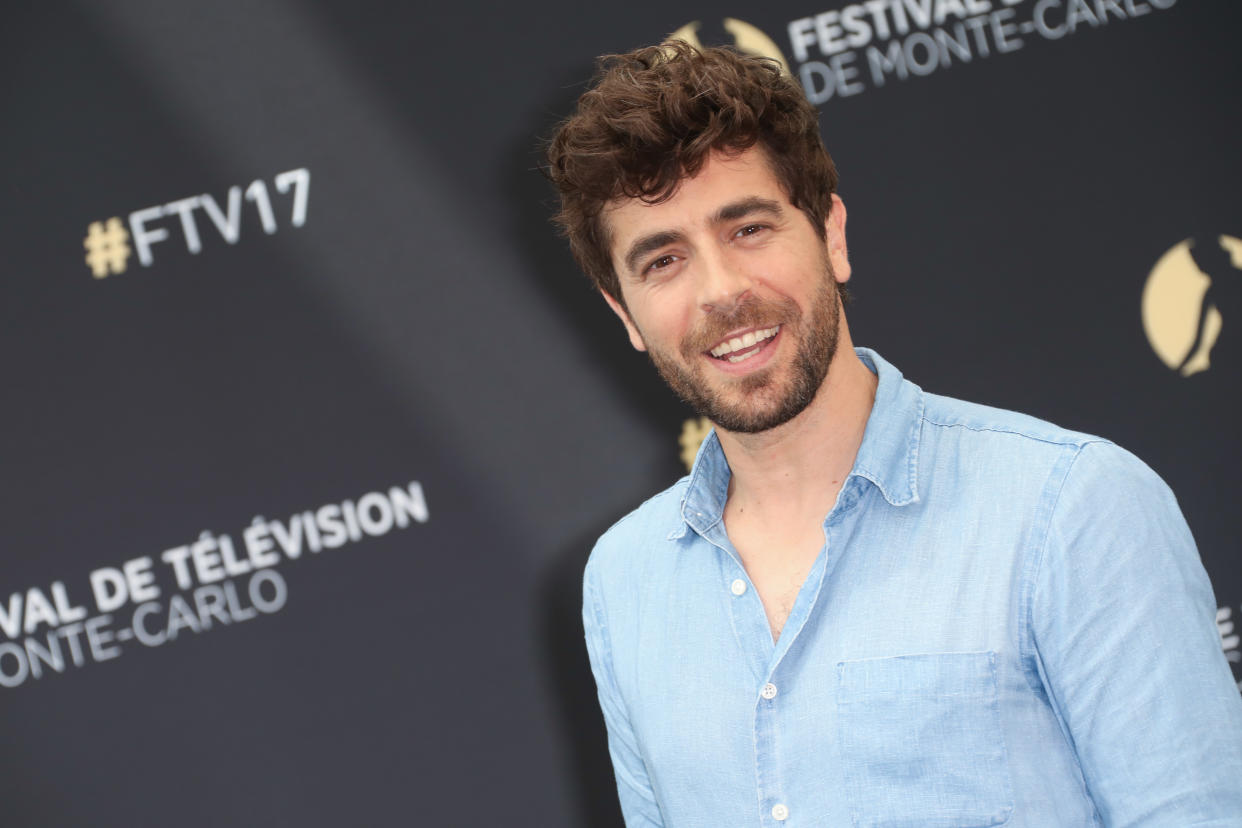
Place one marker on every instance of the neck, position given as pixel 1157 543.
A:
pixel 797 469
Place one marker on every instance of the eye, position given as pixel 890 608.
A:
pixel 661 263
pixel 750 230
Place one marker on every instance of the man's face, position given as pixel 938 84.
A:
pixel 731 291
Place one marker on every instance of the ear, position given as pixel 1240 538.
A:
pixel 636 338
pixel 838 251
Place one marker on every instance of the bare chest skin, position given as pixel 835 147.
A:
pixel 777 556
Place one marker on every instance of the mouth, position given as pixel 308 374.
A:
pixel 747 346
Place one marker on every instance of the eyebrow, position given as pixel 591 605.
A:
pixel 747 207
pixel 729 212
pixel 649 244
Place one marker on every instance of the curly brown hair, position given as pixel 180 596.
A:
pixel 654 116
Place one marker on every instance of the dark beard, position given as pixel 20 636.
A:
pixel 817 346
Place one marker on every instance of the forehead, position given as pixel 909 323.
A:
pixel 723 179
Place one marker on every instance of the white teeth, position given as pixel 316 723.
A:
pixel 740 357
pixel 747 340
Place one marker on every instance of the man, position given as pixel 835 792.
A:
pixel 866 605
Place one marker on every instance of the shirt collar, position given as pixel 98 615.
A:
pixel 888 456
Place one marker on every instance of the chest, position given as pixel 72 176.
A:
pixel 777 558
pixel 839 692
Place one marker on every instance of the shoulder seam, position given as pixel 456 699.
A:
pixel 1028 612
pixel 1052 513
pixel 1080 440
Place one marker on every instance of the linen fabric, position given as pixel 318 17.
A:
pixel 1008 624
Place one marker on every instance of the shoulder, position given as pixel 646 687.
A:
pixel 1067 470
pixel 947 413
pixel 1107 484
pixel 1112 519
pixel 1002 453
pixel 636 540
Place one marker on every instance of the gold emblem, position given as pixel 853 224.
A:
pixel 693 432
pixel 747 38
pixel 1181 313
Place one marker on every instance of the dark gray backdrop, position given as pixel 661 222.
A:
pixel 424 324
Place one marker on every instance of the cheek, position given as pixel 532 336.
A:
pixel 668 312
pixel 779 268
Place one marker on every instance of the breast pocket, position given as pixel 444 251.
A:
pixel 921 741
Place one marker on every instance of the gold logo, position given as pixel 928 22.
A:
pixel 107 247
pixel 1183 297
pixel 693 432
pixel 747 38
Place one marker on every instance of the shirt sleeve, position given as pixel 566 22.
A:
pixel 638 803
pixel 1127 645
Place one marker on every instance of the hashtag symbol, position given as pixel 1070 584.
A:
pixel 107 247
pixel 693 432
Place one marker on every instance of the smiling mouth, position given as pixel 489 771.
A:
pixel 741 348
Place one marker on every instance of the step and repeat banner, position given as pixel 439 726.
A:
pixel 310 421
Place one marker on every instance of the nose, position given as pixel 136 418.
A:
pixel 722 283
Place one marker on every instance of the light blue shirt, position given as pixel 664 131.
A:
pixel 1008 624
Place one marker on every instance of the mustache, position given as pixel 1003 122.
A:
pixel 750 312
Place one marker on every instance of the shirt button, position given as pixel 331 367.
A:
pixel 769 692
pixel 738 586
pixel 780 812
